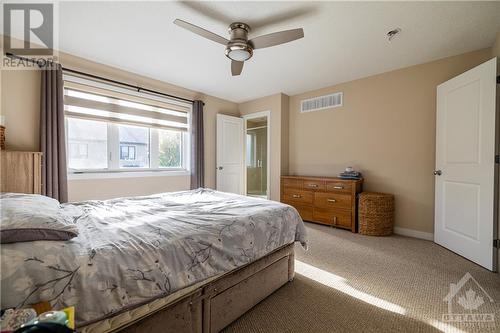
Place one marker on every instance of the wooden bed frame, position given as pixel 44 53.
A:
pixel 213 306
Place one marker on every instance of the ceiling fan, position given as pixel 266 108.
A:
pixel 238 47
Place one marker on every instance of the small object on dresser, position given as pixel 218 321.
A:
pixel 376 214
pixel 350 173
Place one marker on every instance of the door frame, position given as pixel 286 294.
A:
pixel 496 212
pixel 260 114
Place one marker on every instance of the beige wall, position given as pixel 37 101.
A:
pixel 20 93
pixel 495 51
pixel 98 189
pixel 285 134
pixel 276 105
pixel 386 129
pixel 20 99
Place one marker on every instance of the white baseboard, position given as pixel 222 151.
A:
pixel 414 233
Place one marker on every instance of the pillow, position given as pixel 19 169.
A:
pixel 32 217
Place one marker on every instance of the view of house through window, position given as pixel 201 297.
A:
pixel 110 133
pixel 127 152
pixel 134 146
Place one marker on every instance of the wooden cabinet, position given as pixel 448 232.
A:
pixel 21 172
pixel 326 200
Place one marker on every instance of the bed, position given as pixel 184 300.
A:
pixel 189 261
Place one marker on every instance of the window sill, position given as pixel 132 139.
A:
pixel 127 174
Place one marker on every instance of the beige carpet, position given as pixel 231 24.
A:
pixel 352 283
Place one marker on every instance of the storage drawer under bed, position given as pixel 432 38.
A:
pixel 215 305
pixel 231 303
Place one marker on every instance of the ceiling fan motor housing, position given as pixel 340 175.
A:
pixel 238 48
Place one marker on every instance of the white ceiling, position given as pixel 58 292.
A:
pixel 343 40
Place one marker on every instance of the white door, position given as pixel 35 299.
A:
pixel 465 164
pixel 230 172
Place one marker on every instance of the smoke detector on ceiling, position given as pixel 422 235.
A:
pixel 393 33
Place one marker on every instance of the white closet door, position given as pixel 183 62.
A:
pixel 230 149
pixel 465 164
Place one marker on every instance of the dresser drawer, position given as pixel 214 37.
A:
pixel 332 200
pixel 292 183
pixel 339 187
pixel 297 196
pixel 325 200
pixel 335 217
pixel 311 184
pixel 306 212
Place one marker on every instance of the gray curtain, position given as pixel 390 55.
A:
pixel 197 144
pixel 52 134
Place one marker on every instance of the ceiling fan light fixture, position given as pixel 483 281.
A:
pixel 239 51
pixel 238 47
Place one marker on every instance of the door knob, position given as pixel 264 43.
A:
pixel 438 172
pixel 220 168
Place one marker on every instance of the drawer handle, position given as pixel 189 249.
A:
pixel 335 220
pixel 296 196
pixel 338 187
pixel 331 200
pixel 313 185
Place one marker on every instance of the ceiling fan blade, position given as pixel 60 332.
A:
pixel 202 32
pixel 236 67
pixel 276 38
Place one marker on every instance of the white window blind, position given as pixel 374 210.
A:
pixel 97 101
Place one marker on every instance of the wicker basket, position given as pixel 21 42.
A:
pixel 376 214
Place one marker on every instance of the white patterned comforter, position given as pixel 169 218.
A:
pixel 132 250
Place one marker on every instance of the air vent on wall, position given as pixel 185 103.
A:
pixel 321 102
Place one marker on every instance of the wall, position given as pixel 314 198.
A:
pixel 386 129
pixel 98 189
pixel 285 134
pixel 20 99
pixel 20 91
pixel 495 51
pixel 277 105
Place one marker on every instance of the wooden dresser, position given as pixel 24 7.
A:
pixel 21 172
pixel 326 200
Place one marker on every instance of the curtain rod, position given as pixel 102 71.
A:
pixel 137 88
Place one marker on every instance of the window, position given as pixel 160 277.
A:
pixel 79 150
pixel 127 152
pixel 87 143
pixel 170 149
pixel 134 146
pixel 111 129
